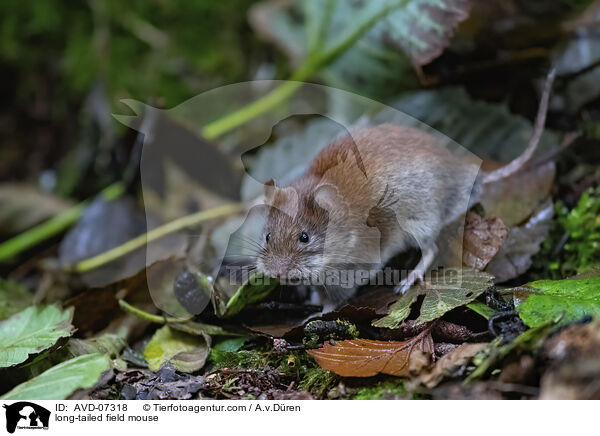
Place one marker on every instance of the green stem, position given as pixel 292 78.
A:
pixel 313 63
pixel 152 235
pixel 258 107
pixel 145 315
pixel 52 226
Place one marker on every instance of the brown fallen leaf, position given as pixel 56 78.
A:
pixel 516 198
pixel 514 257
pixel 483 238
pixel 451 363
pixel 366 358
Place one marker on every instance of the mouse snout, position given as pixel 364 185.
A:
pixel 283 268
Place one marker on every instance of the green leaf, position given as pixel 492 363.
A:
pixel 444 292
pixel 230 345
pixel 486 311
pixel 399 310
pixel 544 300
pixel 255 289
pixel 185 352
pixel 62 380
pixel 402 33
pixel 14 297
pixel 31 331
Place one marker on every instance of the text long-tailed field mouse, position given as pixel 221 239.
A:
pixel 327 218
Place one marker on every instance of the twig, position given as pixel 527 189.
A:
pixel 153 235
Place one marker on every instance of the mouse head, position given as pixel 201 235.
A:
pixel 294 233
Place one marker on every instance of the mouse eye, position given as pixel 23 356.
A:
pixel 303 237
pixel 268 237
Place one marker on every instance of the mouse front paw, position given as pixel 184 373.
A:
pixel 412 278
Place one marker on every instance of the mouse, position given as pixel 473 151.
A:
pixel 332 217
pixel 367 197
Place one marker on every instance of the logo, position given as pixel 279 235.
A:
pixel 26 415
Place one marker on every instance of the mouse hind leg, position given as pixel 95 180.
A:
pixel 428 253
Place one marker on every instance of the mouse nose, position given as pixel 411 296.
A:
pixel 284 268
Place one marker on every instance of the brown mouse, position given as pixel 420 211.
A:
pixel 325 221
pixel 367 197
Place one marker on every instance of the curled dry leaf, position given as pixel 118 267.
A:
pixel 366 358
pixel 482 239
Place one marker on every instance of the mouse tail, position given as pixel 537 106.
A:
pixel 538 129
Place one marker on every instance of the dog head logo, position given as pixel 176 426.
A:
pixel 26 415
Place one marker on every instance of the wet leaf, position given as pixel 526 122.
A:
pixel 185 352
pixel 443 293
pixel 544 300
pixel 451 364
pixel 483 238
pixel 366 358
pixel 14 297
pixel 62 380
pixel 255 289
pixel 31 331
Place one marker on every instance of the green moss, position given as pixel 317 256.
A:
pixel 297 365
pixel 382 391
pixel 247 359
pixel 318 380
pixel 573 244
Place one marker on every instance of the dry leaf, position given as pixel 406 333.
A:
pixel 514 257
pixel 366 358
pixel 482 239
pixel 450 363
pixel 517 197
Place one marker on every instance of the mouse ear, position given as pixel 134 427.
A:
pixel 327 196
pixel 269 188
